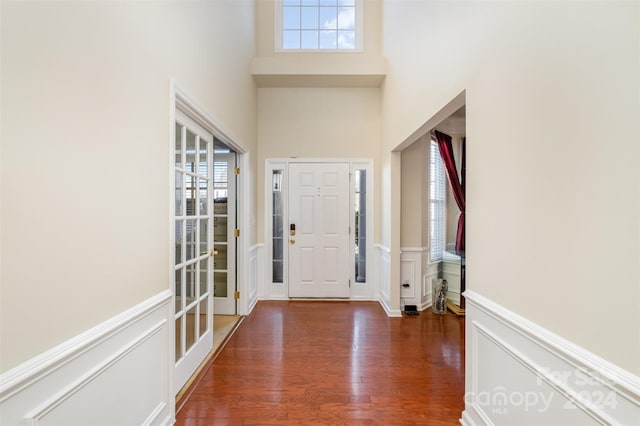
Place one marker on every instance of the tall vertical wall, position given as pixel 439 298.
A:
pixel 85 151
pixel 553 164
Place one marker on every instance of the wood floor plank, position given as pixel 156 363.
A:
pixel 333 363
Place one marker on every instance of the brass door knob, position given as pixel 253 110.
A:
pixel 292 241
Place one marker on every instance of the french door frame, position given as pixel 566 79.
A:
pixel 179 99
pixel 280 291
pixel 193 260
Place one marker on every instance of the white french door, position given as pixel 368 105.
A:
pixel 224 225
pixel 193 219
pixel 318 231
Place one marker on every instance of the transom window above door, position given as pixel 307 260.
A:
pixel 318 25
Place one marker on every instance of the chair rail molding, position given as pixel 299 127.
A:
pixel 126 358
pixel 518 372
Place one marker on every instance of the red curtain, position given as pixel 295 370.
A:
pixel 446 152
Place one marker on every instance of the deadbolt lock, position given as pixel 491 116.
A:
pixel 292 241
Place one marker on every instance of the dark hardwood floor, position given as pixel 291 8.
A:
pixel 334 363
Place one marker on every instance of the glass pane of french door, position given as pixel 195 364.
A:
pixel 193 264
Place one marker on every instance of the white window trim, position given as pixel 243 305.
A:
pixel 359 47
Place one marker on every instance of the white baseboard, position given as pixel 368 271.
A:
pixel 520 373
pixel 390 312
pixel 118 372
pixel 425 305
pixel 454 297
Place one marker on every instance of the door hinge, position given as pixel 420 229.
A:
pixel 236 170
pixel 236 295
pixel 236 233
pixel 349 283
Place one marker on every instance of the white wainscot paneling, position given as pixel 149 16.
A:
pixel 254 285
pixel 518 373
pixel 415 270
pixel 451 273
pixel 117 373
pixel 384 256
pixel 411 276
pixel 260 272
pixel 408 279
pixel 427 285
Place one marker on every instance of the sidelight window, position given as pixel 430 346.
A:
pixel 360 210
pixel 277 228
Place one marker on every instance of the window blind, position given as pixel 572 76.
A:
pixel 437 197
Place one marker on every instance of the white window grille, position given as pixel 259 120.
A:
pixel 318 24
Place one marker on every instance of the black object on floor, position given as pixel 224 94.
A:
pixel 411 310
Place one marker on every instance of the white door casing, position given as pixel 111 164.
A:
pixel 319 255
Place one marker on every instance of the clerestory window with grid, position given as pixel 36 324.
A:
pixel 319 24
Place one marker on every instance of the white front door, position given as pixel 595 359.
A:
pixel 192 263
pixel 319 219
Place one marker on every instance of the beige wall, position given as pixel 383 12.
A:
pixel 317 123
pixel 318 118
pixel 415 195
pixel 85 151
pixel 85 114
pixel 553 164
